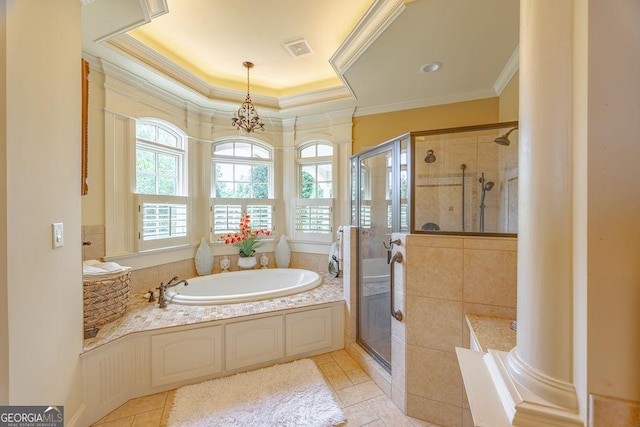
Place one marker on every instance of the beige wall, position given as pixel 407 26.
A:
pixel 376 128
pixel 93 202
pixel 508 100
pixel 611 198
pixel 42 166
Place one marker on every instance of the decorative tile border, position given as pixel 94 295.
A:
pixel 142 315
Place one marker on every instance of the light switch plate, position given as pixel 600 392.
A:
pixel 57 235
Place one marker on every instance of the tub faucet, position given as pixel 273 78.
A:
pixel 162 289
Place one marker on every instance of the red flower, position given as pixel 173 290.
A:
pixel 245 240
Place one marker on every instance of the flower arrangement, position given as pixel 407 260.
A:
pixel 247 239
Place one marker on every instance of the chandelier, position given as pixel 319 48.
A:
pixel 247 117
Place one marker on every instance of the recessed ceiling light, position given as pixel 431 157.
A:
pixel 430 67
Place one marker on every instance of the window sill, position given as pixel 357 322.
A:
pixel 155 257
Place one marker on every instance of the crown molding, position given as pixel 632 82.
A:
pixel 152 60
pixel 157 8
pixel 139 52
pixel 425 102
pixel 376 19
pixel 508 71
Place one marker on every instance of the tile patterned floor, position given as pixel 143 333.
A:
pixel 363 403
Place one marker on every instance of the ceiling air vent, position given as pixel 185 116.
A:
pixel 298 48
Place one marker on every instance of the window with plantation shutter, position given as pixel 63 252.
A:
pixel 241 183
pixel 314 209
pixel 226 213
pixel 162 221
pixel 314 219
pixel 161 185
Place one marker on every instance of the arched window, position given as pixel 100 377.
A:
pixel 314 207
pixel 161 185
pixel 242 182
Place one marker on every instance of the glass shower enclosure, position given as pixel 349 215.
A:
pixel 454 181
pixel 380 183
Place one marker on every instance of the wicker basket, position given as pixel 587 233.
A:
pixel 105 298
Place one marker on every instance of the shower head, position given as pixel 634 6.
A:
pixel 488 186
pixel 430 158
pixel 504 139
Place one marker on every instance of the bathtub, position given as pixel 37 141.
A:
pixel 375 276
pixel 242 286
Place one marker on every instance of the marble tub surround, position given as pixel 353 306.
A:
pixel 492 332
pixel 446 278
pixel 143 315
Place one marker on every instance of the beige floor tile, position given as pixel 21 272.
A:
pixel 388 412
pixel 357 376
pixel 122 422
pixel 336 397
pixel 335 375
pixel 377 423
pixel 359 393
pixel 344 360
pixel 168 405
pixel 139 405
pixel 420 423
pixel 322 358
pixel 101 420
pixel 147 419
pixel 359 414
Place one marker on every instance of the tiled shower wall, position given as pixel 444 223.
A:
pixel 438 185
pixel 445 278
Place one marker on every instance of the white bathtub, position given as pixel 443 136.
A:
pixel 375 276
pixel 242 286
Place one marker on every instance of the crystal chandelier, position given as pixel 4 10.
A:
pixel 247 117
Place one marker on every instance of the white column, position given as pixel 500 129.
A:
pixel 542 359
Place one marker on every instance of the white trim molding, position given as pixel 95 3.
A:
pixel 499 399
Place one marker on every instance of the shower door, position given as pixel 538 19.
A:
pixel 379 177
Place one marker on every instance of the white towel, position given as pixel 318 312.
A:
pixel 95 267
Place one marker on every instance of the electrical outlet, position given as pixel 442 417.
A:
pixel 57 235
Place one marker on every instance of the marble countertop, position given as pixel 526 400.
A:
pixel 493 333
pixel 142 315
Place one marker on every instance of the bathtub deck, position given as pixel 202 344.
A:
pixel 143 316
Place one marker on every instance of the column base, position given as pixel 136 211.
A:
pixel 497 399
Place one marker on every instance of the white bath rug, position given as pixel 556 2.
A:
pixel 289 395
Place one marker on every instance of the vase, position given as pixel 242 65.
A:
pixel 225 263
pixel 283 253
pixel 204 258
pixel 264 260
pixel 247 262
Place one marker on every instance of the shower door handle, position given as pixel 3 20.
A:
pixel 397 314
